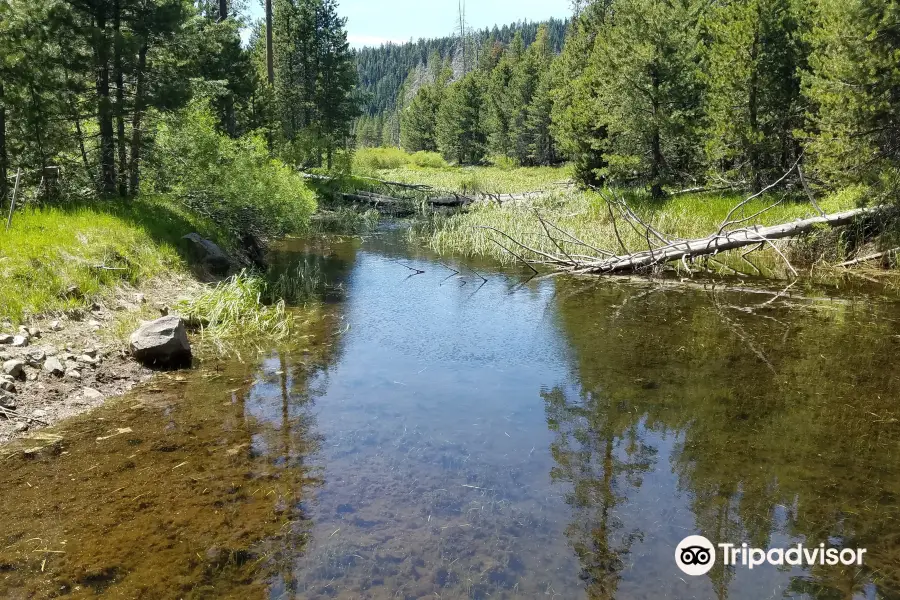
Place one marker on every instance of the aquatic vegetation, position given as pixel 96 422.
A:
pixel 241 308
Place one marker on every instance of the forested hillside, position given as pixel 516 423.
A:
pixel 683 94
pixel 389 70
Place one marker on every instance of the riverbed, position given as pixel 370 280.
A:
pixel 456 429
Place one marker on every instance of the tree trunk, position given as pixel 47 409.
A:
pixel 120 99
pixel 753 109
pixel 4 159
pixel 656 158
pixel 135 166
pixel 270 54
pixel 104 108
pixel 718 243
pixel 223 10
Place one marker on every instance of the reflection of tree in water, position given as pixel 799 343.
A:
pixel 785 415
pixel 599 452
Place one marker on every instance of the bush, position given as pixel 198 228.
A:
pixel 428 160
pixel 234 182
pixel 374 159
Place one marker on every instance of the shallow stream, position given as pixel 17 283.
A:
pixel 455 430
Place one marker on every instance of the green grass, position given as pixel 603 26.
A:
pixel 493 180
pixel 247 307
pixel 87 249
pixel 585 215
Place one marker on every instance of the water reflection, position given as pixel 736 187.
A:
pixel 447 430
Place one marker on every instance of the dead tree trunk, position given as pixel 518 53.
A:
pixel 270 51
pixel 727 240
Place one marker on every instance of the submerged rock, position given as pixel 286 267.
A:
pixel 208 253
pixel 162 342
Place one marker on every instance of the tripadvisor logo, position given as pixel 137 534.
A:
pixel 696 555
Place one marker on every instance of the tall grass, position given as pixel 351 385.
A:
pixel 368 161
pixel 493 180
pixel 586 216
pixel 247 306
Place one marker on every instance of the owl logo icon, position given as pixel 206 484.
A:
pixel 695 555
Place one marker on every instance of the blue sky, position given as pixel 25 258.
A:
pixel 373 22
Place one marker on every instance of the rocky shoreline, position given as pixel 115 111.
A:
pixel 61 366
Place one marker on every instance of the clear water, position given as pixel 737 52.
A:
pixel 476 435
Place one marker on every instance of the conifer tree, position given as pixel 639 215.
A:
pixel 753 58
pixel 460 133
pixel 853 86
pixel 645 71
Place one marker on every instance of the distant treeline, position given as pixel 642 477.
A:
pixel 681 94
pixel 384 70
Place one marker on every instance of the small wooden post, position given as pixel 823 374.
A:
pixel 12 205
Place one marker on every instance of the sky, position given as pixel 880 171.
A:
pixel 374 22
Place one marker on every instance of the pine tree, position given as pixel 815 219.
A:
pixel 753 59
pixel 579 134
pixel 644 68
pixel 418 122
pixel 853 86
pixel 460 131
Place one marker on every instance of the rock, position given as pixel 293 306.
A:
pixel 4 356
pixel 35 358
pixel 34 332
pixel 21 427
pixel 14 368
pixel 163 342
pixel 73 292
pixel 53 366
pixel 140 298
pixel 8 402
pixel 91 394
pixel 39 413
pixel 94 324
pixel 6 339
pixel 73 374
pixel 88 360
pixel 208 253
pixel 56 326
pixel 8 386
pixel 23 331
pixel 20 341
pixel 91 352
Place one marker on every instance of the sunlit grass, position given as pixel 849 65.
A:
pixel 585 215
pixel 53 259
pixel 247 307
pixel 493 180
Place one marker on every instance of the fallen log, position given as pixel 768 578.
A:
pixel 718 242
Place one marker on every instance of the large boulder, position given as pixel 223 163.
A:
pixel 162 342
pixel 208 253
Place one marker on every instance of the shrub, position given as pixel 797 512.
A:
pixel 431 160
pixel 234 182
pixel 373 159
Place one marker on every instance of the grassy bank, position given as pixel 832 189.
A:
pixel 59 258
